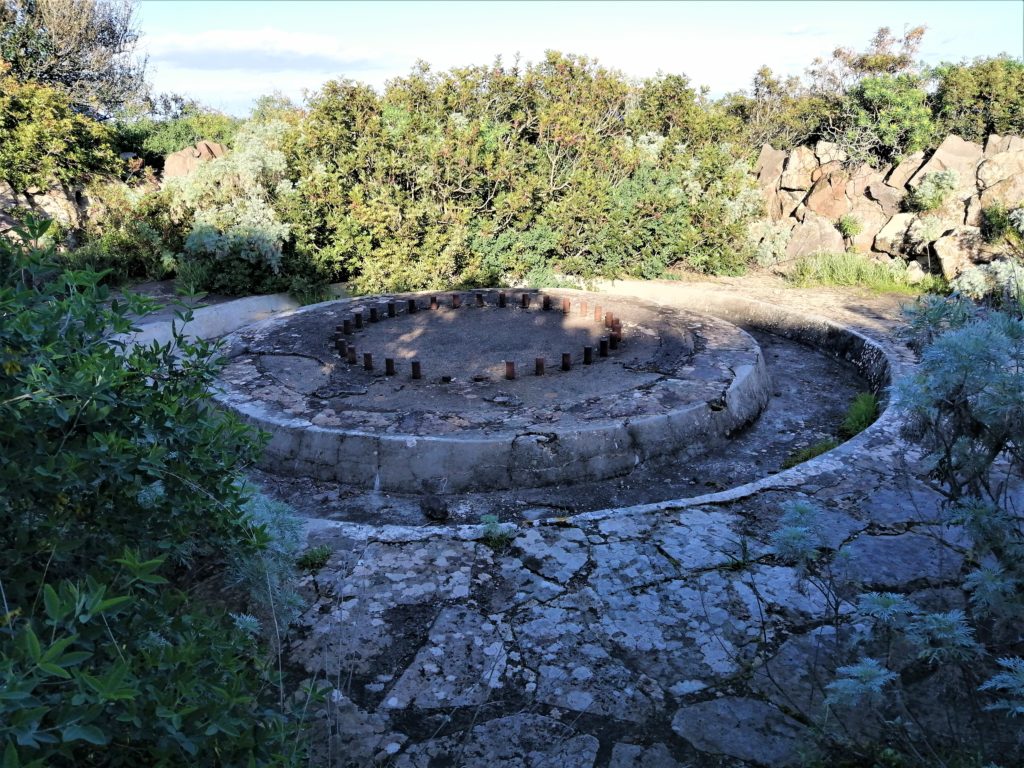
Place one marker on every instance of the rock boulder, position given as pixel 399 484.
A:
pixel 954 154
pixel 908 167
pixel 814 235
pixel 889 199
pixel 958 250
pixel 768 167
pixel 828 195
pixel 799 167
pixel 185 161
pixel 892 237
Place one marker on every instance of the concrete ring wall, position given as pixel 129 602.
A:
pixel 868 355
pixel 412 463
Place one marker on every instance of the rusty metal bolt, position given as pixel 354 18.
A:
pixel 359 320
pixel 389 366
pixel 350 355
pixel 545 303
pixel 510 369
pixel 588 355
pixel 374 314
pixel 566 306
pixel 346 327
pixel 502 299
pixel 479 299
pixel 538 366
pixel 412 306
pixel 367 361
pixel 456 300
pixel 598 314
pixel 392 309
pixel 525 301
pixel 613 340
pixel 566 361
pixel 417 371
pixel 602 347
pixel 609 319
pixel 583 307
pixel 433 302
pixel 342 346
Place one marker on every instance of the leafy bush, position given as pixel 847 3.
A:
pixel 849 226
pixel 121 505
pixel 230 203
pixel 933 191
pixel 1000 283
pixel 131 234
pixel 881 119
pixel 983 97
pixel 966 400
pixel 450 179
pixel 769 241
pixel 995 222
pixel 85 50
pixel 42 139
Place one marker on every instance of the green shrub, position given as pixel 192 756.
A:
pixel 230 206
pixel 995 222
pixel 999 283
pixel 131 233
pixel 883 118
pixel 849 226
pixel 980 98
pixel 43 139
pixel 860 415
pixel 122 504
pixel 933 191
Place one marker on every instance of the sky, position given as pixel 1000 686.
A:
pixel 226 54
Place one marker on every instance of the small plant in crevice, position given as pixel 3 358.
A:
pixel 849 226
pixel 995 222
pixel 935 189
pixel 860 415
pixel 494 534
pixel 314 559
pixel 810 452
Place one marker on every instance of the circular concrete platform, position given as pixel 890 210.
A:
pixel 677 383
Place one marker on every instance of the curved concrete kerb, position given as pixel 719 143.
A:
pixel 679 384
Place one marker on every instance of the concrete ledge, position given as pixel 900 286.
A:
pixel 505 458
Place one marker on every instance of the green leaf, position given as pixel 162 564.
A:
pixel 32 644
pixel 89 733
pixel 54 608
pixel 11 756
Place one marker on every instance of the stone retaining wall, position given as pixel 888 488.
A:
pixel 809 189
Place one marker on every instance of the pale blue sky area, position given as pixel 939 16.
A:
pixel 228 53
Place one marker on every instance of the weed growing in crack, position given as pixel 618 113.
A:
pixel 495 536
pixel 314 559
pixel 810 452
pixel 860 415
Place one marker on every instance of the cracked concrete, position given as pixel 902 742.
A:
pixel 656 635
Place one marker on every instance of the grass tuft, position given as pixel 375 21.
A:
pixel 857 270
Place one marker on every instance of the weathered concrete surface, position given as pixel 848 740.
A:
pixel 665 634
pixel 678 384
pixel 662 635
